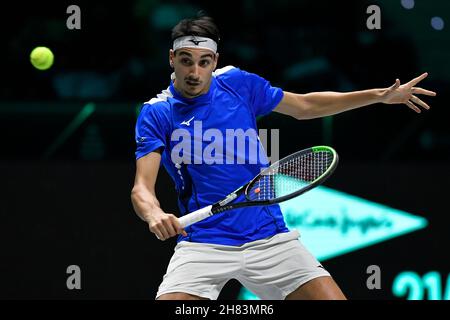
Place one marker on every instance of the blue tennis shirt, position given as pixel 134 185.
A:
pixel 209 145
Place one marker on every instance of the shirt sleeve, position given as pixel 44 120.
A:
pixel 263 97
pixel 149 134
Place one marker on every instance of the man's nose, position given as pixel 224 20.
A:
pixel 195 71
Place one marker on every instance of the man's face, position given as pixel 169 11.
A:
pixel 193 70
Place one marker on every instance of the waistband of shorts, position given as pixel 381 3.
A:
pixel 277 238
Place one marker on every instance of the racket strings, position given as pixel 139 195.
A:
pixel 290 175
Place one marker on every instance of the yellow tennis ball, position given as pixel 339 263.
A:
pixel 41 58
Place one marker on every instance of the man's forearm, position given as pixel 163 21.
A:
pixel 319 104
pixel 144 202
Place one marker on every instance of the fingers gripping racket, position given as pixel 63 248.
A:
pixel 283 180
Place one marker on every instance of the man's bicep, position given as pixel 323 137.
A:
pixel 292 104
pixel 147 168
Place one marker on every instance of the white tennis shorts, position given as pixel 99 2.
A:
pixel 271 268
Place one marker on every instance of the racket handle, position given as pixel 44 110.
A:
pixel 195 216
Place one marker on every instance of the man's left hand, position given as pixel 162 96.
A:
pixel 407 94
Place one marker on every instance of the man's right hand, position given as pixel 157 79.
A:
pixel 164 225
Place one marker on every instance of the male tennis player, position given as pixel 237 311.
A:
pixel 252 245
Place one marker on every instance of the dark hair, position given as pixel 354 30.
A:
pixel 202 26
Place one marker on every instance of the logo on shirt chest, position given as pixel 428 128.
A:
pixel 187 122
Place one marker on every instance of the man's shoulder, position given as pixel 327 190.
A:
pixel 157 109
pixel 228 74
pixel 226 71
pixel 161 99
pixel 160 103
pixel 234 76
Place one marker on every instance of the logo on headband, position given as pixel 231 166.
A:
pixel 196 42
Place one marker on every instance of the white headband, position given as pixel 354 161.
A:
pixel 195 42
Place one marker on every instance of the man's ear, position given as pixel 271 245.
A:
pixel 171 57
pixel 216 60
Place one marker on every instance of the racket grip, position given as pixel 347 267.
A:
pixel 195 216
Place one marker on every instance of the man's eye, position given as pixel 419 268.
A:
pixel 185 61
pixel 204 62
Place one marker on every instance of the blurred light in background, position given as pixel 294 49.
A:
pixel 408 4
pixel 437 23
pixel 165 17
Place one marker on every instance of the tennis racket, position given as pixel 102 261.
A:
pixel 283 180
